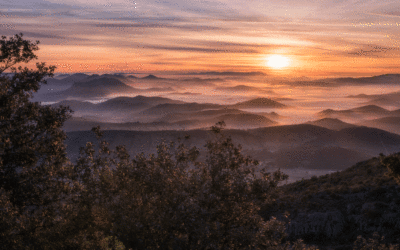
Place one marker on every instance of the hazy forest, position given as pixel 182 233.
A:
pixel 177 177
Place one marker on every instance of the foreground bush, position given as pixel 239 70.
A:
pixel 108 200
pixel 171 201
pixel 167 200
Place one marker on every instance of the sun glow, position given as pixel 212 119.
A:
pixel 277 61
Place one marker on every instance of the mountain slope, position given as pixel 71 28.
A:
pixel 332 210
pixel 331 123
pixel 259 103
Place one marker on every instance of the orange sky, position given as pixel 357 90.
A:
pixel 321 38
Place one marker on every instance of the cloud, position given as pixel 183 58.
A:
pixel 374 51
pixel 158 24
pixel 201 49
pixel 228 73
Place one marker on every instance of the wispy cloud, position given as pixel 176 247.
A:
pixel 224 34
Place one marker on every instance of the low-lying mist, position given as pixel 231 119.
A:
pixel 320 125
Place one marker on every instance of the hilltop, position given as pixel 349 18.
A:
pixel 259 103
pixel 331 123
pixel 332 210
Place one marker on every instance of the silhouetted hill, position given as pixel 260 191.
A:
pixel 390 124
pixel 163 109
pixel 202 115
pixel 76 105
pixel 271 115
pixel 99 87
pixel 75 77
pixel 331 123
pixel 243 88
pixel 259 103
pixel 278 145
pixel 245 120
pixel 380 79
pixel 166 89
pixel 332 210
pixel 318 157
pixel 151 77
pixel 359 112
pixel 370 109
pixel 389 99
pixel 83 124
pixel 369 139
pixel 120 103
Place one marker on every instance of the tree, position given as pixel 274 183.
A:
pixel 392 162
pixel 171 201
pixel 32 151
pixel 108 200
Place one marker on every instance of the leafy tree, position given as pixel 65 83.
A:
pixel 32 152
pixel 392 162
pixel 108 200
pixel 374 243
pixel 170 200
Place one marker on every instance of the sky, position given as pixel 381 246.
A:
pixel 317 38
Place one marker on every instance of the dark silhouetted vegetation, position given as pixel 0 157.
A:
pixel 110 200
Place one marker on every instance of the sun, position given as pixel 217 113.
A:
pixel 277 61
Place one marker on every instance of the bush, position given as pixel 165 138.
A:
pixel 169 200
pixel 392 163
pixel 33 161
pixel 374 243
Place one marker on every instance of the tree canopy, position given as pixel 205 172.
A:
pixel 108 199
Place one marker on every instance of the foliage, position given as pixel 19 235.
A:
pixel 167 200
pixel 172 201
pixel 108 200
pixel 374 243
pixel 392 162
pixel 32 152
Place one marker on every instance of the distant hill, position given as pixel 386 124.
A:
pixel 119 104
pixel 392 79
pixel 166 89
pixel 151 77
pixel 243 88
pixel 390 99
pixel 100 87
pixel 202 115
pixel 83 124
pixel 370 109
pixel 359 112
pixel 271 115
pixel 122 103
pixel 278 145
pixel 245 120
pixel 76 105
pixel 390 124
pixel 331 123
pixel 259 103
pixel 163 109
pixel 70 78
pixel 380 79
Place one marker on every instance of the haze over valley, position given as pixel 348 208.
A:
pixel 304 128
